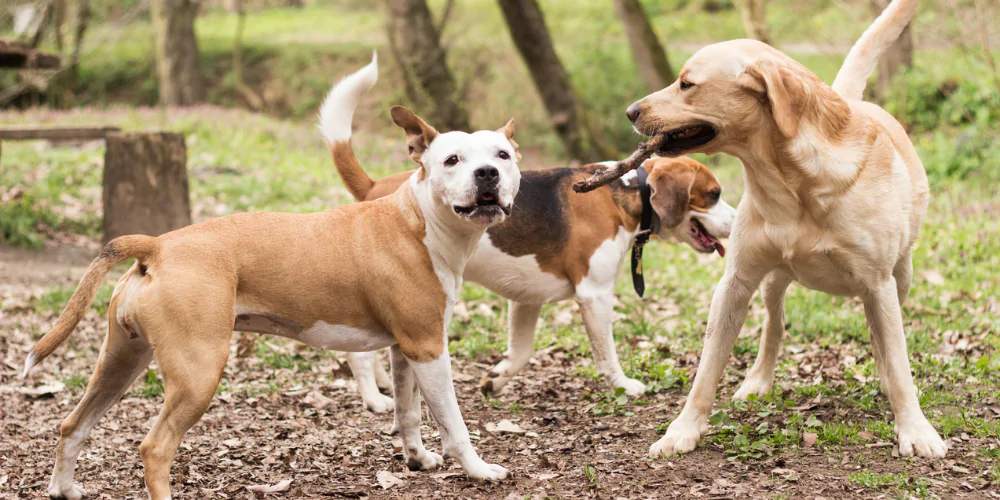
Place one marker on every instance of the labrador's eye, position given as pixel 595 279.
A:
pixel 686 85
pixel 451 161
pixel 503 155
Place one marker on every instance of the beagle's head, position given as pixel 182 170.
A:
pixel 687 198
pixel 474 175
pixel 729 93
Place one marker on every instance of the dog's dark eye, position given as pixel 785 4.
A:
pixel 686 85
pixel 503 155
pixel 451 161
pixel 714 194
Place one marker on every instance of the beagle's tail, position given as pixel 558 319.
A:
pixel 335 118
pixel 119 249
pixel 864 55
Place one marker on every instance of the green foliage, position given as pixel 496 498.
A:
pixel 151 386
pixel 55 300
pixel 896 482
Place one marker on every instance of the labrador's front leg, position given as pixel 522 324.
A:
pixel 726 316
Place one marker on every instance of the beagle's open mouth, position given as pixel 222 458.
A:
pixel 487 207
pixel 686 138
pixel 705 240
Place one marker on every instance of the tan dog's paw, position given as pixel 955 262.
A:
pixel 73 492
pixel 632 386
pixel 753 385
pixel 378 402
pixel 681 437
pixel 426 460
pixel 490 472
pixel 922 440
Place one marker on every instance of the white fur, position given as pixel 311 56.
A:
pixel 345 338
pixel 516 278
pixel 337 112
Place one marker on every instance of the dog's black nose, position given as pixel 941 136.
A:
pixel 632 112
pixel 487 175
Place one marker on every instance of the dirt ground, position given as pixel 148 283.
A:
pixel 307 425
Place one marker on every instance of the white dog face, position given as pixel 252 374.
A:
pixel 474 174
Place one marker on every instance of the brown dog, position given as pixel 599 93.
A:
pixel 360 277
pixel 835 198
pixel 559 245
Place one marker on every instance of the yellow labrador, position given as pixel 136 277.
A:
pixel 834 200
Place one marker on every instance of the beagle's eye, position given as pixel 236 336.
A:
pixel 686 85
pixel 714 194
pixel 451 161
pixel 503 155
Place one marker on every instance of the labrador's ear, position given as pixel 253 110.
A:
pixel 508 131
pixel 783 87
pixel 419 134
pixel 670 194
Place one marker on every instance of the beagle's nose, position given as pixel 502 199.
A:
pixel 633 112
pixel 487 175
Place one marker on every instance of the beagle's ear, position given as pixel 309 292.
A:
pixel 670 194
pixel 781 86
pixel 508 131
pixel 419 134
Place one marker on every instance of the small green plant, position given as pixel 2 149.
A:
pixel 151 386
pixel 74 382
pixel 515 407
pixel 591 473
pixel 898 482
pixel 613 403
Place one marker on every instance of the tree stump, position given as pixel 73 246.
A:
pixel 145 184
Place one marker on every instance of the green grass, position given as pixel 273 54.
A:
pixel 896 483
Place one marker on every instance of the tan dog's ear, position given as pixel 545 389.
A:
pixel 508 131
pixel 670 194
pixel 419 134
pixel 782 87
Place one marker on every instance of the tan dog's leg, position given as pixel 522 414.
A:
pixel 521 322
pixel 885 325
pixel 760 378
pixel 191 356
pixel 363 367
pixel 598 315
pixel 726 315
pixel 407 414
pixel 121 360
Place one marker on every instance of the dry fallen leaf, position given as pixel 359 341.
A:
pixel 933 277
pixel 505 426
pixel 387 480
pixel 809 439
pixel 44 390
pixel 317 400
pixel 271 488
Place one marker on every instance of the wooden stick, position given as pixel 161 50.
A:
pixel 604 177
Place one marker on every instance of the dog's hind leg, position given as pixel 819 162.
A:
pixel 522 320
pixel 382 378
pixel 363 367
pixel 760 378
pixel 191 356
pixel 885 325
pixel 122 359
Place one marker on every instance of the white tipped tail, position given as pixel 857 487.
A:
pixel 337 112
pixel 29 362
pixel 864 55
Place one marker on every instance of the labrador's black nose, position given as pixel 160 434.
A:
pixel 487 176
pixel 633 112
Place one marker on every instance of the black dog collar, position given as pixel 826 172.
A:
pixel 646 221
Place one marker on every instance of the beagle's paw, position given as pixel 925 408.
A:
pixel 753 384
pixel 377 402
pixel 72 492
pixel 425 460
pixel 682 437
pixel 489 472
pixel 920 439
pixel 632 386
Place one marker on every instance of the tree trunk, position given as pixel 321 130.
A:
pixel 416 47
pixel 654 67
pixel 899 55
pixel 145 184
pixel 754 21
pixel 531 36
pixel 177 52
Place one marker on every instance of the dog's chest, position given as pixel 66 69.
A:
pixel 518 278
pixel 816 259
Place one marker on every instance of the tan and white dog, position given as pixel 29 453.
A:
pixel 560 245
pixel 360 277
pixel 835 196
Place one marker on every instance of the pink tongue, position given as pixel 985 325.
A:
pixel 721 249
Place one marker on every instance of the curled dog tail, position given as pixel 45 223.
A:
pixel 119 249
pixel 335 118
pixel 864 55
